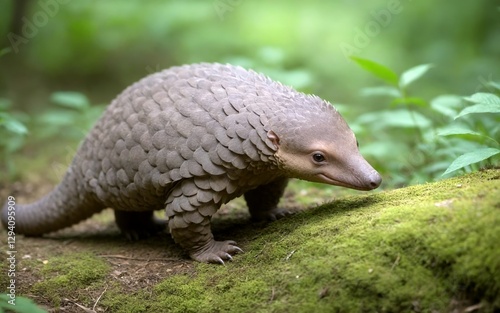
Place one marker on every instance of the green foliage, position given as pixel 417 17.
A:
pixel 22 305
pixel 378 70
pixel 412 75
pixel 471 158
pixel 8 120
pixel 71 119
pixel 483 103
pixel 417 131
pixel 12 135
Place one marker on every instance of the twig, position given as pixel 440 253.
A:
pixel 87 310
pixel 395 262
pixel 272 295
pixel 290 255
pixel 99 298
pixel 473 307
pixel 261 251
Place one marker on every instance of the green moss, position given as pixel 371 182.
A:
pixel 72 274
pixel 184 292
pixel 118 301
pixel 213 289
pixel 420 248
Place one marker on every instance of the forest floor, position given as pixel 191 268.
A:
pixel 425 248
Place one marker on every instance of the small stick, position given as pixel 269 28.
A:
pixel 272 295
pixel 99 298
pixel 290 255
pixel 87 310
pixel 395 262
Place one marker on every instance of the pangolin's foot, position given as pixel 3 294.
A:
pixel 270 215
pixel 139 225
pixel 216 252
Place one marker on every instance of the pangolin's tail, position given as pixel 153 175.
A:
pixel 68 204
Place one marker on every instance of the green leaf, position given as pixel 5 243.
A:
pixel 471 158
pixel 413 74
pixel 16 127
pixel 408 101
pixel 461 131
pixel 484 98
pixel 70 99
pixel 447 105
pixel 457 131
pixel 11 124
pixel 59 118
pixel 23 305
pixel 378 70
pixel 478 108
pixel 485 103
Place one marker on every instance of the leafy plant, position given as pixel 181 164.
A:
pixel 71 119
pixel 12 135
pixel 398 90
pixel 23 305
pixel 482 103
pixel 407 131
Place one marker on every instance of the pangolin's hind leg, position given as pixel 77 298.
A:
pixel 137 225
pixel 263 201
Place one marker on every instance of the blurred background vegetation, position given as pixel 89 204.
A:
pixel 63 60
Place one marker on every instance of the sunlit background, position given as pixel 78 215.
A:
pixel 97 48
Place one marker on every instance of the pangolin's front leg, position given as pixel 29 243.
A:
pixel 189 210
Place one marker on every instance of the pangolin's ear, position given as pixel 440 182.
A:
pixel 274 138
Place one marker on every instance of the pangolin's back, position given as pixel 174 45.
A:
pixel 204 120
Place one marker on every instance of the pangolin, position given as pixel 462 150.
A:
pixel 187 140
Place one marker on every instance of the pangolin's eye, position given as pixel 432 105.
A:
pixel 318 157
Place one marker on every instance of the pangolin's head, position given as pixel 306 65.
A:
pixel 313 142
